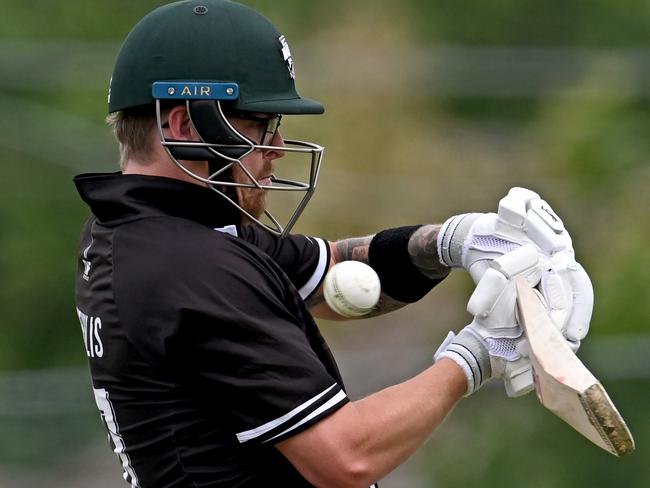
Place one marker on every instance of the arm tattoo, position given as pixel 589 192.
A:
pixel 423 250
pixel 385 305
pixel 353 249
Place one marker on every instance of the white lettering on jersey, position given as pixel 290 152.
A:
pixel 90 329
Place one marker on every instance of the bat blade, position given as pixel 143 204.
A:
pixel 563 383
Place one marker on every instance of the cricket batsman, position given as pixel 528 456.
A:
pixel 197 305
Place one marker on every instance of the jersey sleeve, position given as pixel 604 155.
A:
pixel 274 387
pixel 304 259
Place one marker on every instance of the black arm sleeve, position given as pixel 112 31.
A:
pixel 388 256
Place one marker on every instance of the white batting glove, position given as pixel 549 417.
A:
pixel 473 240
pixel 569 296
pixel 493 345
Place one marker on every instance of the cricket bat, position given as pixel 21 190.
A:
pixel 563 383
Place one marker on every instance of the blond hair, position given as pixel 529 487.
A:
pixel 132 129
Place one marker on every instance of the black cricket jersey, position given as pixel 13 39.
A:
pixel 202 352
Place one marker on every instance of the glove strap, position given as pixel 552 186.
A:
pixel 468 352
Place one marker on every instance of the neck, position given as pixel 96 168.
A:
pixel 165 167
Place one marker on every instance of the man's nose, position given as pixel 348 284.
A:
pixel 277 142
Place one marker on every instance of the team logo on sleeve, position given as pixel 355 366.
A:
pixel 286 53
pixel 86 263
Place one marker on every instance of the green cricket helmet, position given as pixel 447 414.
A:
pixel 221 59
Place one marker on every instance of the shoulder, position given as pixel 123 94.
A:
pixel 274 245
pixel 163 255
pixel 175 242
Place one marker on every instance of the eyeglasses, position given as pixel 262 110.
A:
pixel 271 124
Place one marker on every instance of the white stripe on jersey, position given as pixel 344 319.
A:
pixel 335 400
pixel 317 276
pixel 108 416
pixel 263 429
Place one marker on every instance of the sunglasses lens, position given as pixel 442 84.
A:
pixel 272 126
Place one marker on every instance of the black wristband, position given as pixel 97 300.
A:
pixel 389 257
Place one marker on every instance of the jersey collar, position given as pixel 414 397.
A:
pixel 115 198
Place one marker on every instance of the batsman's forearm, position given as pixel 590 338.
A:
pixel 403 416
pixel 365 440
pixel 423 250
pixel 352 249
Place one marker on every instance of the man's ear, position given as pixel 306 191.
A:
pixel 180 126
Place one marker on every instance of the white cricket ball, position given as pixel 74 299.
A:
pixel 352 288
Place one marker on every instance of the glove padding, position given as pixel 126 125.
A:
pixel 473 241
pixel 568 295
pixel 493 345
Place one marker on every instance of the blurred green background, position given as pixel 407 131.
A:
pixel 433 108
